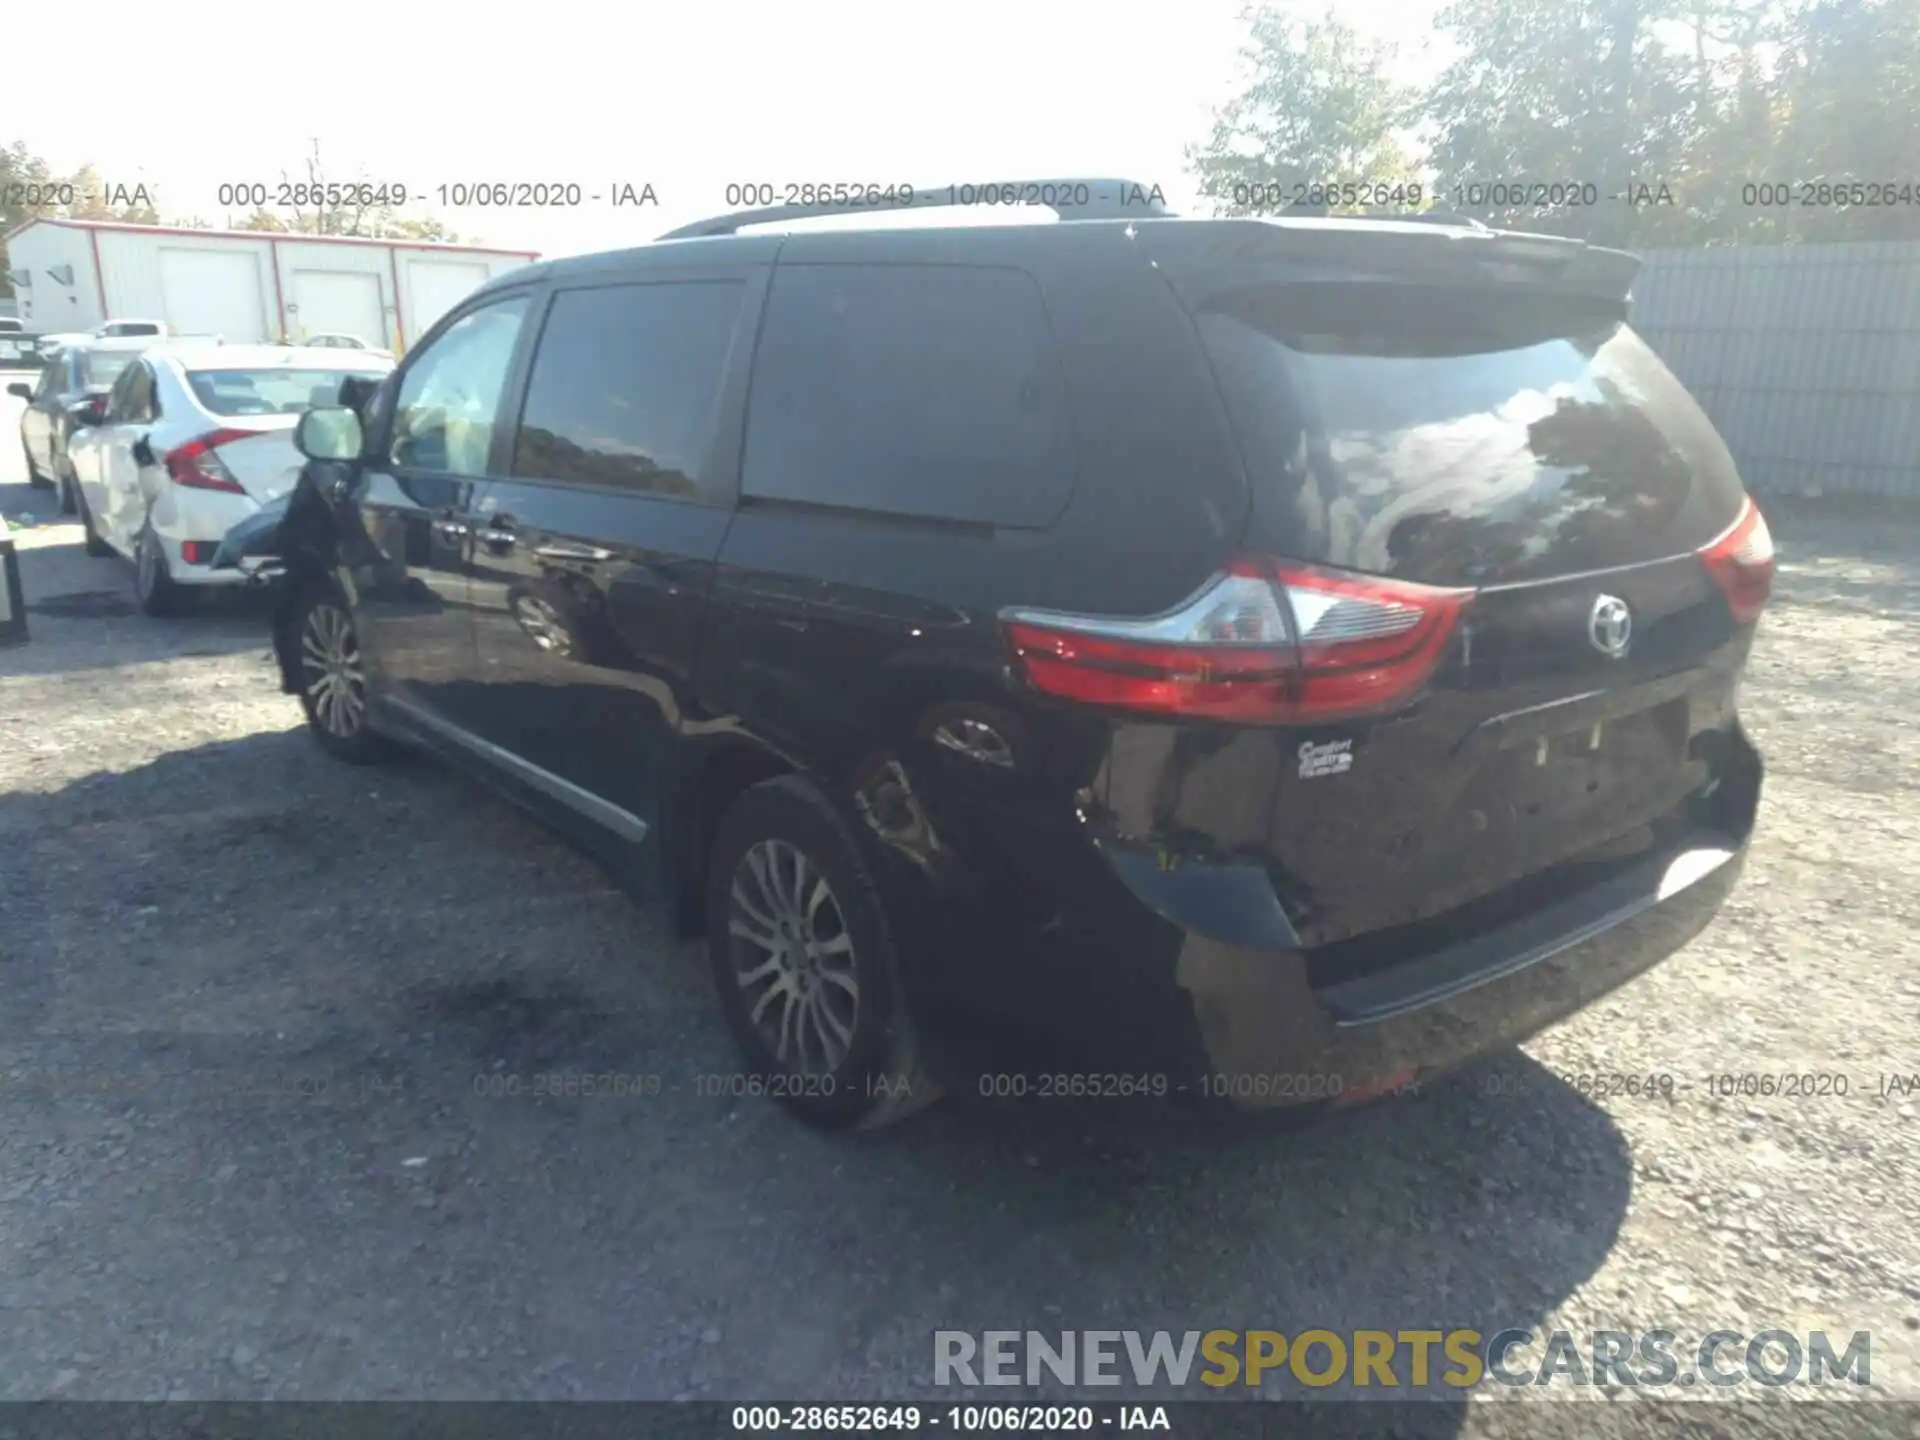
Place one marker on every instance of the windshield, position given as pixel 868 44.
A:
pixel 275 391
pixel 103 367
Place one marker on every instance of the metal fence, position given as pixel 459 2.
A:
pixel 1807 357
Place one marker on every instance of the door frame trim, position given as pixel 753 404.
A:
pixel 624 823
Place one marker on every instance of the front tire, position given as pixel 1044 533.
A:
pixel 159 594
pixel 333 679
pixel 805 960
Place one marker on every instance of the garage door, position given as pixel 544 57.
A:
pixel 213 292
pixel 336 302
pixel 435 287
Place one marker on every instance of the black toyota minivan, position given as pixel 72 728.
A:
pixel 1260 661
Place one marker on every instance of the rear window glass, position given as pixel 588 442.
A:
pixel 103 367
pixel 926 391
pixel 1459 437
pixel 275 391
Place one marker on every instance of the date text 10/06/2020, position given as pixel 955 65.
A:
pixel 963 1419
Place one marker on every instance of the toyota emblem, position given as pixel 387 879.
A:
pixel 1610 626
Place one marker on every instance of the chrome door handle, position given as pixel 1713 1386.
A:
pixel 452 529
pixel 493 535
pixel 573 552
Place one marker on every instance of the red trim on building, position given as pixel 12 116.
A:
pixel 279 300
pixel 399 329
pixel 291 239
pixel 99 278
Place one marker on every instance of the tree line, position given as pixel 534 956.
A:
pixel 1641 122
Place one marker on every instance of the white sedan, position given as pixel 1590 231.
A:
pixel 191 441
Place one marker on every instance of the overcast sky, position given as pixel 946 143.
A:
pixel 686 97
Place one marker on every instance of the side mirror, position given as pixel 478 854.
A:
pixel 20 390
pixel 329 432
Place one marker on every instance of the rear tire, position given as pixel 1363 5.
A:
pixel 96 547
pixel 333 679
pixel 806 964
pixel 153 583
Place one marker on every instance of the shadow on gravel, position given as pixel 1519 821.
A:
pixel 83 615
pixel 631 1223
pixel 20 498
pixel 1847 557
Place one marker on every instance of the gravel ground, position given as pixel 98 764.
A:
pixel 249 999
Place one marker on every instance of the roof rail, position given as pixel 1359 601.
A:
pixel 1076 199
pixel 1420 217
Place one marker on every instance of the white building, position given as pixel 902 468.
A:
pixel 243 285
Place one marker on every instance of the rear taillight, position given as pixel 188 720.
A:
pixel 1268 642
pixel 198 466
pixel 1741 563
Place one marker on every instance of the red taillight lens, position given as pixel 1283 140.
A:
pixel 1366 644
pixel 1741 563
pixel 197 465
pixel 1267 643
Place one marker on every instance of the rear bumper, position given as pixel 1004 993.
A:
pixel 204 516
pixel 1271 1039
pixel 1189 977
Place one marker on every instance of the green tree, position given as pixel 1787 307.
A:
pixel 1849 89
pixel 1737 115
pixel 1317 107
pixel 1571 93
pixel 93 199
pixel 24 178
pixel 356 214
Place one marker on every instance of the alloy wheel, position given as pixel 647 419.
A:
pixel 793 956
pixel 334 682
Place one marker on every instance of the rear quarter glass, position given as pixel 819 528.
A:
pixel 930 392
pixel 1457 436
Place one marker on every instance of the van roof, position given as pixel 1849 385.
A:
pixel 1318 241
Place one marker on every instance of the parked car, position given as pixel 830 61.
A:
pixel 192 440
pixel 149 330
pixel 1254 661
pixel 345 342
pixel 68 392
pixel 17 347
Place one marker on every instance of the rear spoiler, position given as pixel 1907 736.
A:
pixel 1365 249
